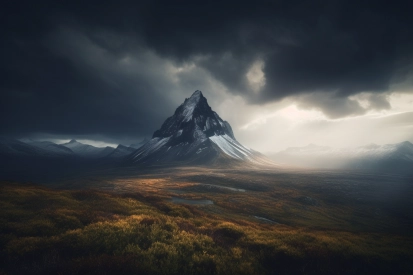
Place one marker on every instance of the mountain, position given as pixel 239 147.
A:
pixel 400 151
pixel 139 144
pixel 389 157
pixel 16 148
pixel 36 160
pixel 195 134
pixel 88 151
pixel 120 152
pixel 49 146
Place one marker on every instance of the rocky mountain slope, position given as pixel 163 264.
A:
pixel 195 134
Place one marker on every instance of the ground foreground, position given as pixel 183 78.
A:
pixel 203 221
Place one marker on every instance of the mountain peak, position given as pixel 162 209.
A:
pixel 120 146
pixel 193 120
pixel 72 141
pixel 196 101
pixel 197 93
pixel 197 134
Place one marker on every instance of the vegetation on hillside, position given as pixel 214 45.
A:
pixel 46 231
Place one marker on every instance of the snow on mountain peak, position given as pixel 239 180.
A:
pixel 190 104
pixel 197 93
pixel 194 133
pixel 193 120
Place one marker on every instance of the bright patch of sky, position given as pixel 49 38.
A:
pixel 256 76
pixel 276 127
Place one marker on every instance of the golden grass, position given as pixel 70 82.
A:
pixel 68 232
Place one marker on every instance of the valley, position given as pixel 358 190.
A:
pixel 203 220
pixel 329 199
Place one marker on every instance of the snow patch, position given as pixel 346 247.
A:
pixel 231 147
pixel 152 146
pixel 189 106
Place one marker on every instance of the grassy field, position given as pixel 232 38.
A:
pixel 260 222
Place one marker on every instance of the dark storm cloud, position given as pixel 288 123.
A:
pixel 118 69
pixel 333 106
pixel 77 92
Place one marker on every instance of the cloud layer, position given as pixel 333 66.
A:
pixel 117 70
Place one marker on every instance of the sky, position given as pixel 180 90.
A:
pixel 282 73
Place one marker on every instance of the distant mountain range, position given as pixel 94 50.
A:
pixel 15 149
pixel 86 150
pixel 389 157
pixel 39 160
pixel 50 146
pixel 73 148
